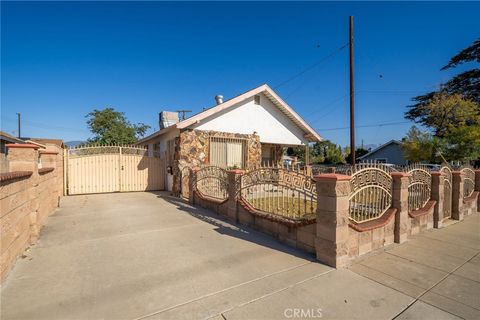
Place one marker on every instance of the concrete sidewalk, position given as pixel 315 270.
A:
pixel 439 268
pixel 149 256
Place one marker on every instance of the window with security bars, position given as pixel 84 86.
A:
pixel 227 152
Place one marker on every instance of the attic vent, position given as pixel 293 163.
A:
pixel 257 99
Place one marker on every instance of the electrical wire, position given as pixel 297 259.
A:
pixel 367 126
pixel 311 66
pixel 39 125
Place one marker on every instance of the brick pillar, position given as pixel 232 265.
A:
pixel 308 170
pixel 48 158
pixel 24 157
pixel 477 187
pixel 234 177
pixel 438 194
pixel 457 195
pixel 400 202
pixel 192 180
pixel 331 242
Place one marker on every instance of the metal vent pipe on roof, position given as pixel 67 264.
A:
pixel 219 99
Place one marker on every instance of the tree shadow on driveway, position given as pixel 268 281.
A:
pixel 229 228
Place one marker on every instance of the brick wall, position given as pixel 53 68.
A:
pixel 301 237
pixel 30 192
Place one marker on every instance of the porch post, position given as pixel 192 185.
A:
pixel 307 155
pixel 438 194
pixel 457 195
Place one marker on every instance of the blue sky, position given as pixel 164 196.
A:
pixel 60 60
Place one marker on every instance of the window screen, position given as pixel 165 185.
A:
pixel 226 152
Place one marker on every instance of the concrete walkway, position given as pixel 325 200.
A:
pixel 149 256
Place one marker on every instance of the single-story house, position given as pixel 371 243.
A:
pixel 6 138
pixel 46 141
pixel 390 152
pixel 245 131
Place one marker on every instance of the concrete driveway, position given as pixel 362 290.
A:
pixel 147 255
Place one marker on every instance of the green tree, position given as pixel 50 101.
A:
pixel 320 152
pixel 112 127
pixel 358 153
pixel 463 143
pixel 445 112
pixel 467 83
pixel 328 153
pixel 420 146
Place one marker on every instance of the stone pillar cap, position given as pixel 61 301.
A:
pixel 332 176
pixel 22 145
pixel 47 152
pixel 236 171
pixel 400 174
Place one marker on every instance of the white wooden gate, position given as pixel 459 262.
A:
pixel 101 169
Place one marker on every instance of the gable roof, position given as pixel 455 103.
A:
pixel 8 137
pixel 310 133
pixel 44 141
pixel 380 148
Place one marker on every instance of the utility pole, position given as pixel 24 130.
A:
pixel 352 99
pixel 18 118
pixel 183 112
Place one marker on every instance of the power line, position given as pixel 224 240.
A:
pixel 367 126
pixel 44 126
pixel 332 103
pixel 311 66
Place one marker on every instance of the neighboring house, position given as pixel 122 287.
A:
pixel 390 152
pixel 244 131
pixel 6 138
pixel 45 142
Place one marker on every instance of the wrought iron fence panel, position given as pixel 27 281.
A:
pixel 278 191
pixel 212 182
pixel 371 186
pixel 447 189
pixel 468 181
pixel 90 150
pixel 419 186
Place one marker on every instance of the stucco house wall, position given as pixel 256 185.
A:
pixel 247 117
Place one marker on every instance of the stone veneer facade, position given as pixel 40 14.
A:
pixel 192 150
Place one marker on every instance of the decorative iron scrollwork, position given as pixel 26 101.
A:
pixel 419 186
pixel 371 197
pixel 212 182
pixel 282 192
pixel 468 181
